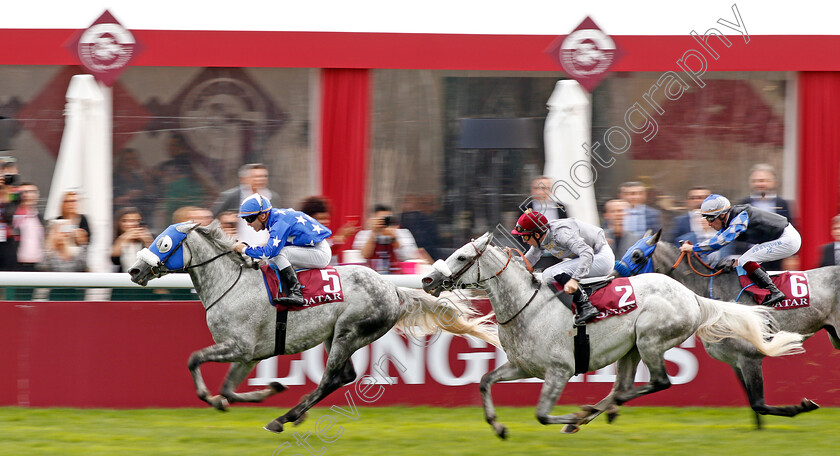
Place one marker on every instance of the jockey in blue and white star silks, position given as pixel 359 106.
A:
pixel 295 240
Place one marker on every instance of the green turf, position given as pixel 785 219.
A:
pixel 423 431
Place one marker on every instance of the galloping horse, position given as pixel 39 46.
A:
pixel 536 329
pixel 243 323
pixel 823 312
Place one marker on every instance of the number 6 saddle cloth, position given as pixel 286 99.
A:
pixel 793 284
pixel 615 298
pixel 319 286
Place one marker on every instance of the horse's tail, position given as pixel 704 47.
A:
pixel 424 314
pixel 755 324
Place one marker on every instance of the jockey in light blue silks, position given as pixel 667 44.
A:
pixel 774 238
pixel 295 240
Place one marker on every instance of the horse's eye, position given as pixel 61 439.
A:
pixel 462 258
pixel 164 244
pixel 637 255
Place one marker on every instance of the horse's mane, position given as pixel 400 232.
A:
pixel 514 262
pixel 217 236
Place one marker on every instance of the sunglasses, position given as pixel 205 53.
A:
pixel 710 218
pixel 251 218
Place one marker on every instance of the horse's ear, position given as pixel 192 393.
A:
pixel 484 239
pixel 653 240
pixel 186 227
pixel 648 232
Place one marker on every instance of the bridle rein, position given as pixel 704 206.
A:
pixel 474 261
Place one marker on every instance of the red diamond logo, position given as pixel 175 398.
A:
pixel 587 54
pixel 105 48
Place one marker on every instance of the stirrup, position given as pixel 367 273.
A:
pixel 771 302
pixel 584 318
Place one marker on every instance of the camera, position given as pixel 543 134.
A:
pixel 387 220
pixel 11 179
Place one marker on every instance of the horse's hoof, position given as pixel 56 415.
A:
pixel 274 426
pixel 570 429
pixel 809 405
pixel 501 431
pixel 277 387
pixel 219 403
pixel 612 414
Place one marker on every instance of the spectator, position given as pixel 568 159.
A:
pixel 61 251
pixel 228 221
pixel 831 251
pixel 763 184
pixel 639 217
pixel 183 182
pixel 543 199
pixel 418 219
pixel 132 183
pixel 77 222
pixel 691 221
pixel 9 200
pixel 384 244
pixel 253 178
pixel 318 208
pixel 28 226
pixel 130 237
pixel 619 240
pixel 201 215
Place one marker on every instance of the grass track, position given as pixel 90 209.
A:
pixel 423 431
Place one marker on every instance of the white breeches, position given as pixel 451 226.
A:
pixel 787 245
pixel 602 264
pixel 315 257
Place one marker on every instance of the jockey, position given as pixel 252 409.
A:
pixel 773 236
pixel 295 239
pixel 585 244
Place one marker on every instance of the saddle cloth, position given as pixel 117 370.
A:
pixel 793 284
pixel 318 286
pixel 616 297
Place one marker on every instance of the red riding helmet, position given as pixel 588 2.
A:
pixel 529 223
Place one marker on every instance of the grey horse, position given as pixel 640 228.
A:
pixel 822 313
pixel 536 330
pixel 243 323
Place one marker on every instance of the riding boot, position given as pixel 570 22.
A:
pixel 762 279
pixel 293 295
pixel 585 310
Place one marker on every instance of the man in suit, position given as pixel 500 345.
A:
pixel 639 217
pixel 542 200
pixel 253 178
pixel 691 221
pixel 831 251
pixel 763 184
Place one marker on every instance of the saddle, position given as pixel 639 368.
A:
pixel 318 286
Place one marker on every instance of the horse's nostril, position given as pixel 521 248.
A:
pixel 427 280
pixel 133 271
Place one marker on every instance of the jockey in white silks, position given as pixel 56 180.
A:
pixel 584 247
pixel 774 238
pixel 295 240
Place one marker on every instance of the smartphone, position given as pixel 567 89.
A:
pixel 387 220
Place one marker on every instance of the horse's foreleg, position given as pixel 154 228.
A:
pixel 505 372
pixel 227 351
pixel 555 381
pixel 236 375
pixel 749 370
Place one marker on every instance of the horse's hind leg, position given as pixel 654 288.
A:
pixel 505 372
pixel 659 381
pixel 749 370
pixel 236 375
pixel 225 352
pixel 624 380
pixel 555 381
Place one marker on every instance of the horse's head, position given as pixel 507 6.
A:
pixel 165 255
pixel 638 258
pixel 461 262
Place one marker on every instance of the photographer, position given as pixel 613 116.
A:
pixel 62 252
pixel 384 244
pixel 9 201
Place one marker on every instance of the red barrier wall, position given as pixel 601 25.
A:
pixel 122 354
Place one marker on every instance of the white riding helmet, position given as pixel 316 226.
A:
pixel 714 205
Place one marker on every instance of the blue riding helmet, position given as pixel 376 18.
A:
pixel 254 205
